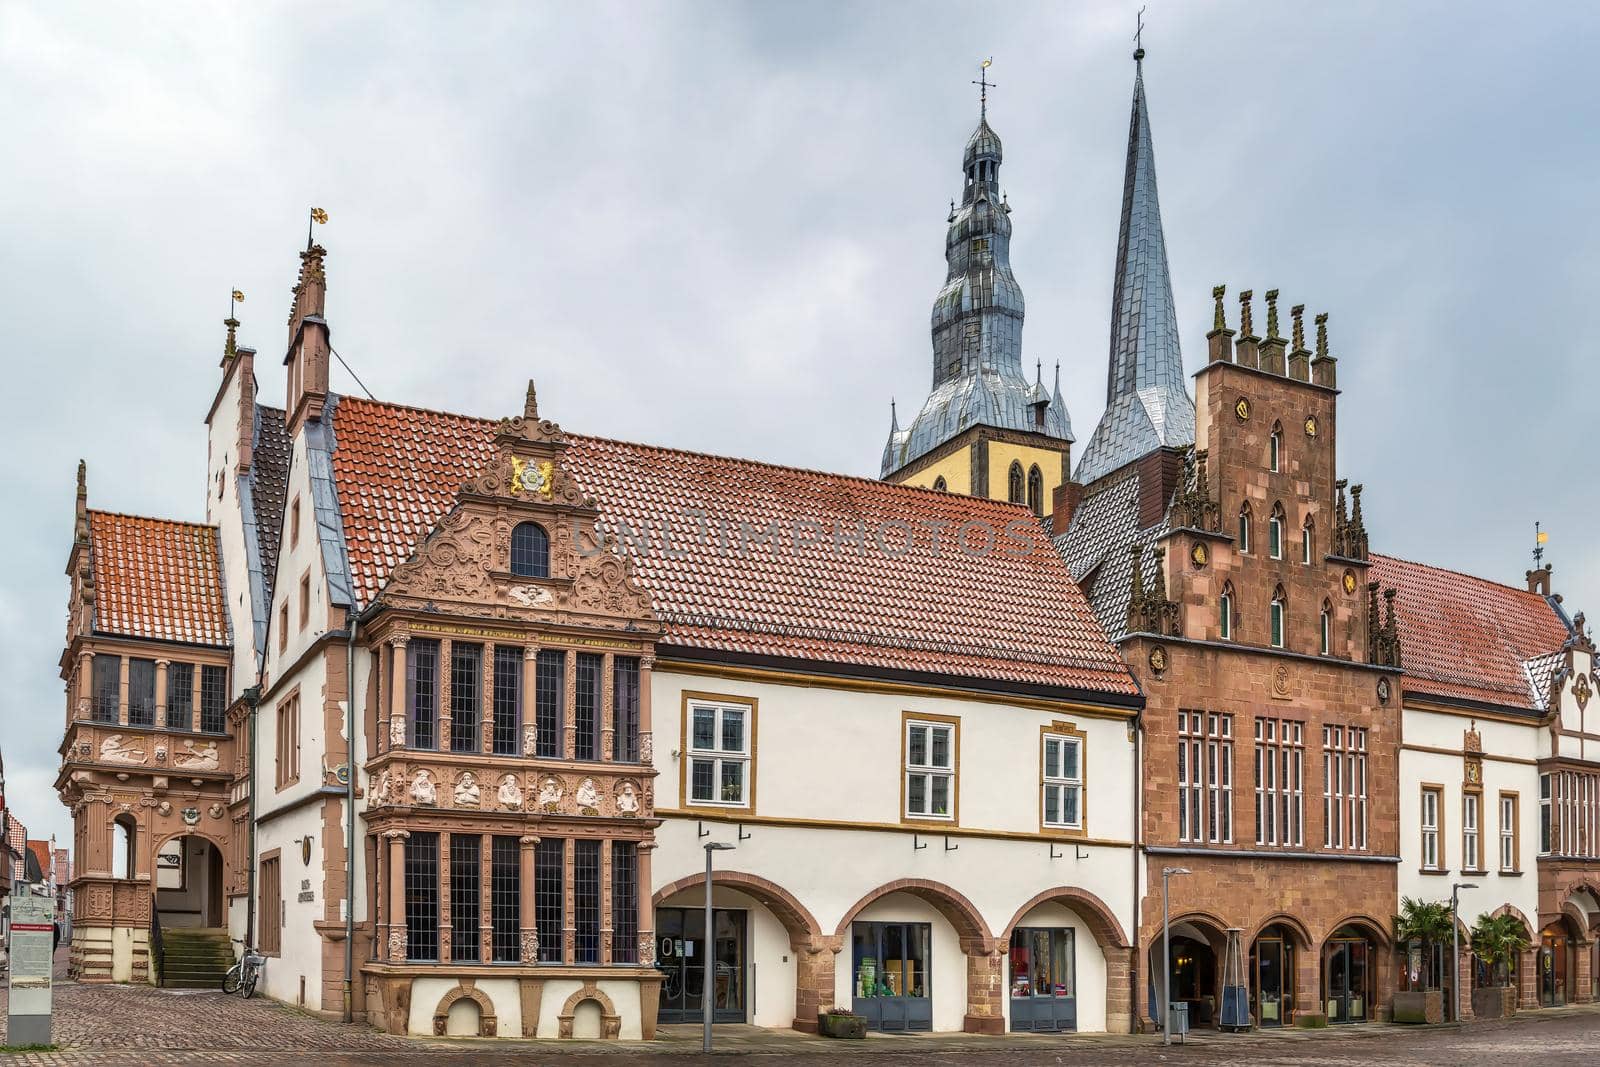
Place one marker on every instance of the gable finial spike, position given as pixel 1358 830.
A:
pixel 1272 315
pixel 1298 313
pixel 1246 327
pixel 1138 36
pixel 320 218
pixel 1539 539
pixel 1219 318
pixel 984 85
pixel 1322 335
pixel 530 404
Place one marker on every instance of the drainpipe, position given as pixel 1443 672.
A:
pixel 252 696
pixel 1138 841
pixel 353 620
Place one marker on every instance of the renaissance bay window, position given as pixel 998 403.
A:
pixel 213 699
pixel 625 709
pixel 586 707
pixel 549 907
pixel 1063 781
pixel 422 895
pixel 466 684
pixel 720 753
pixel 466 853
pixel 180 697
pixel 505 914
pixel 930 768
pixel 141 692
pixel 422 692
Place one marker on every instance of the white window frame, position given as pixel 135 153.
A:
pixel 1277 622
pixel 1508 832
pixel 1431 800
pixel 718 756
pixel 1225 607
pixel 1244 530
pixel 1275 536
pixel 1063 784
pixel 1307 534
pixel 1471 812
pixel 1327 632
pixel 929 772
pixel 1280 782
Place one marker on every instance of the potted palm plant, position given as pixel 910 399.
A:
pixel 1420 926
pixel 1497 940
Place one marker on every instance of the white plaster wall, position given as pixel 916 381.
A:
pixel 1089 963
pixel 1577 721
pixel 503 993
pixel 947 978
pixel 186 907
pixel 1435 730
pixel 222 511
pixel 769 959
pixel 624 997
pixel 301 953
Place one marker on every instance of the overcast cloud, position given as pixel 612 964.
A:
pixel 720 226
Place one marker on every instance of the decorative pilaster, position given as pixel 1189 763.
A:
pixel 985 985
pixel 569 723
pixel 608 725
pixel 85 684
pixel 194 698
pixel 122 693
pixel 395 720
pixel 528 928
pixel 161 691
pixel 647 908
pixel 486 898
pixel 397 892
pixel 530 700
pixel 444 694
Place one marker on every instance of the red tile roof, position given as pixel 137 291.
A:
pixel 157 579
pixel 1003 617
pixel 1463 637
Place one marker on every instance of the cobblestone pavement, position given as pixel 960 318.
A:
pixel 128 1025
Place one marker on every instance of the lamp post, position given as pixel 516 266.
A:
pixel 1166 955
pixel 1455 947
pixel 707 960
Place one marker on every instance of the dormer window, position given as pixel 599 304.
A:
pixel 1035 490
pixel 1244 528
pixel 1014 488
pixel 1275 532
pixel 940 485
pixel 1308 539
pixel 530 551
pixel 1277 620
pixel 1225 613
pixel 1275 448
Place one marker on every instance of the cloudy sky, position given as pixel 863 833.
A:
pixel 720 226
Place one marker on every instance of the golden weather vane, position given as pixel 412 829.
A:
pixel 318 216
pixel 984 85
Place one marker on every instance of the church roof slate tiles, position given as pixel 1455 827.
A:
pixel 157 579
pixel 1468 638
pixel 722 583
pixel 270 471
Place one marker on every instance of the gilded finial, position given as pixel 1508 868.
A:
pixel 1219 319
pixel 984 85
pixel 1244 313
pixel 1322 335
pixel 1272 315
pixel 530 405
pixel 318 216
pixel 1297 314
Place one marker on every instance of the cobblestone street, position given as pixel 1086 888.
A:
pixel 129 1025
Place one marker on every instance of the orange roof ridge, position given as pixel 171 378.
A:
pixel 154 518
pixel 876 483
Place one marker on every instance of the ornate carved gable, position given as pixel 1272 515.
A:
pixel 463 565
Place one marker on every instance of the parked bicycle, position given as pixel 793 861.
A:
pixel 242 976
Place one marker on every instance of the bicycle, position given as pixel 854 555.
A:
pixel 242 976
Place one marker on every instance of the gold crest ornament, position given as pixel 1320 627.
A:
pixel 1349 583
pixel 319 216
pixel 1242 409
pixel 1311 426
pixel 238 296
pixel 1158 659
pixel 1198 554
pixel 528 477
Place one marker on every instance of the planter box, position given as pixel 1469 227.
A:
pixel 1310 1020
pixel 1419 1006
pixel 1496 1002
pixel 842 1024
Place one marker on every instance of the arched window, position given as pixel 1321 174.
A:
pixel 530 551
pixel 1225 612
pixel 1327 627
pixel 1014 487
pixel 1308 541
pixel 1275 532
pixel 123 854
pixel 1275 447
pixel 1244 527
pixel 939 484
pixel 1035 490
pixel 1277 620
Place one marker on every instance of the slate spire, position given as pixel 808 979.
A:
pixel 1147 400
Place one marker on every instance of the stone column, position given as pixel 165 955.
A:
pixel 814 977
pixel 646 743
pixel 527 922
pixel 486 702
pixel 985 985
pixel 1307 981
pixel 161 691
pixel 1464 980
pixel 446 933
pixel 85 684
pixel 1528 978
pixel 605 903
pixel 1584 979
pixel 444 694
pixel 569 744
pixel 530 700
pixel 486 898
pixel 194 696
pixel 647 907
pixel 1119 1018
pixel 395 721
pixel 608 706
pixel 122 693
pixel 397 892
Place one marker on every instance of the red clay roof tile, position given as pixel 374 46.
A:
pixel 157 579
pixel 1008 616
pixel 1469 638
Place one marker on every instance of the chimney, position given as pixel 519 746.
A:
pixel 1159 474
pixel 1064 503
pixel 246 370
pixel 307 355
pixel 1220 339
pixel 1272 348
pixel 1539 580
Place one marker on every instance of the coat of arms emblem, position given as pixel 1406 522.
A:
pixel 530 477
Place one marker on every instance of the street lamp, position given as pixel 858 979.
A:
pixel 707 956
pixel 1455 945
pixel 1166 955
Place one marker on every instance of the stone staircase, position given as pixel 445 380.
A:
pixel 194 958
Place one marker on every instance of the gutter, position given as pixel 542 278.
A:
pixel 353 620
pixel 252 696
pixel 1138 840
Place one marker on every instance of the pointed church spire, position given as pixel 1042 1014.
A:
pixel 1147 400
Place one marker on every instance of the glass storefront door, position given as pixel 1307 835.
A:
pixel 1044 979
pixel 1553 967
pixel 681 954
pixel 1272 972
pixel 1344 968
pixel 890 974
